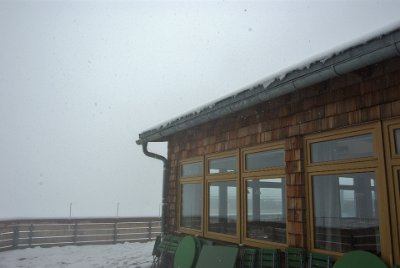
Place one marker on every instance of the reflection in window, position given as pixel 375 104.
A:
pixel 342 149
pixel 192 169
pixel 397 140
pixel 191 206
pixel 265 159
pixel 222 212
pixel 266 218
pixel 347 203
pixel 345 215
pixel 222 165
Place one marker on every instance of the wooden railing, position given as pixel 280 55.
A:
pixel 16 234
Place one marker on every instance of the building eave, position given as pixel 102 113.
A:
pixel 357 56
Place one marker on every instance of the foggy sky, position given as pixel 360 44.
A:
pixel 79 80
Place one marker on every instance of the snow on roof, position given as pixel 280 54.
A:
pixel 304 68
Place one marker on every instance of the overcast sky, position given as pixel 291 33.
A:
pixel 79 80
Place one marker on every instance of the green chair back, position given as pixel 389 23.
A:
pixel 156 250
pixel 319 260
pixel 268 258
pixel 186 253
pixel 295 257
pixel 248 258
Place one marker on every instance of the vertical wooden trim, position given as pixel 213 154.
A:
pixel 392 169
pixel 383 199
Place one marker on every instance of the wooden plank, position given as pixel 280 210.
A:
pixel 95 242
pixel 53 233
pixel 92 226
pixel 44 245
pixel 132 236
pixel 95 232
pixel 23 234
pixel 133 230
pixel 6 236
pixel 81 238
pixel 51 227
pixel 7 229
pixel 132 224
pixel 55 240
pixel 4 248
pixel 156 229
pixel 5 243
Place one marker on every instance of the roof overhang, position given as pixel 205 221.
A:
pixel 357 56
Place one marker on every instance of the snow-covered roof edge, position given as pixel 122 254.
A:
pixel 362 53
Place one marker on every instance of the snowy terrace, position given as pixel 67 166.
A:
pixel 133 255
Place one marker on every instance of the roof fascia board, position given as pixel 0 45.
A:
pixel 353 58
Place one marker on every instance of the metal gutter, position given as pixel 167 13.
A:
pixel 164 186
pixel 373 51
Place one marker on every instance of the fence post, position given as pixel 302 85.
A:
pixel 75 233
pixel 115 232
pixel 15 235
pixel 30 235
pixel 150 231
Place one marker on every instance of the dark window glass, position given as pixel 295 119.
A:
pixel 265 159
pixel 266 217
pixel 397 140
pixel 342 149
pixel 222 212
pixel 222 165
pixel 345 214
pixel 191 206
pixel 192 169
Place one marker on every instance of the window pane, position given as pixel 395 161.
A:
pixel 192 169
pixel 265 159
pixel 347 203
pixel 342 149
pixel 266 218
pixel 345 214
pixel 397 140
pixel 222 165
pixel 222 207
pixel 191 206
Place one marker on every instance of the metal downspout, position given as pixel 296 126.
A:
pixel 164 186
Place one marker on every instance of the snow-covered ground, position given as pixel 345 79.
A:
pixel 120 255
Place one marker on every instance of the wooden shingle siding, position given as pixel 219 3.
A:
pixel 366 95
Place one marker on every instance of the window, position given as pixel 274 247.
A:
pixel 222 211
pixel 266 213
pixel 345 217
pixel 397 140
pixel 264 159
pixel 191 206
pixel 264 195
pixel 192 169
pixel 346 184
pixel 190 196
pixel 222 196
pixel 341 149
pixel 222 165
